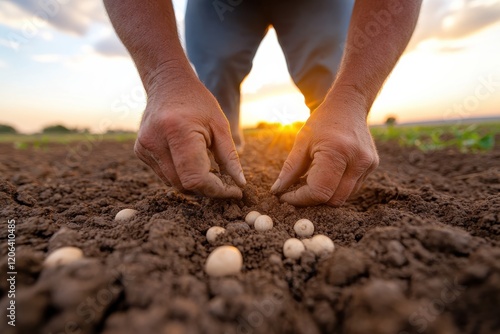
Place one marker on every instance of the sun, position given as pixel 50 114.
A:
pixel 282 109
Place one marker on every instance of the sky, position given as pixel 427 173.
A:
pixel 61 62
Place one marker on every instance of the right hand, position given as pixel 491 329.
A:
pixel 181 121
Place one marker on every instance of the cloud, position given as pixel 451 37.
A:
pixel 110 46
pixel 47 58
pixel 451 48
pixel 74 17
pixel 448 20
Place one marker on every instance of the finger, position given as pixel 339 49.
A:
pixel 353 173
pixel 227 157
pixel 362 179
pixel 344 190
pixel 358 184
pixel 215 188
pixel 142 153
pixel 295 166
pixel 165 163
pixel 323 179
pixel 192 165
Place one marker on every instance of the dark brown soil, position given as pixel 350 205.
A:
pixel 417 251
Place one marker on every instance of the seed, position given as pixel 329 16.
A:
pixel 62 256
pixel 126 214
pixel 214 232
pixel 303 228
pixel 251 216
pixel 223 261
pixel 263 223
pixel 319 245
pixel 293 248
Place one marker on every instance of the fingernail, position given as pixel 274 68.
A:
pixel 276 186
pixel 242 179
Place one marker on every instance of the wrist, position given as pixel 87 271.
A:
pixel 169 80
pixel 350 99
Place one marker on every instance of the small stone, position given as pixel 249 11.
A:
pixel 303 228
pixel 62 256
pixel 214 232
pixel 263 223
pixel 293 248
pixel 251 217
pixel 126 214
pixel 319 244
pixel 224 261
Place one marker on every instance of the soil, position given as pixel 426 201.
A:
pixel 416 251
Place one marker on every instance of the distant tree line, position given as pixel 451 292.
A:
pixel 59 129
pixel 7 129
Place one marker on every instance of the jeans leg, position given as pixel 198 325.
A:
pixel 221 45
pixel 312 35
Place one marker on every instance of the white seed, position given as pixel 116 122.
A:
pixel 319 245
pixel 126 214
pixel 62 256
pixel 214 232
pixel 263 223
pixel 251 216
pixel 293 248
pixel 303 228
pixel 223 261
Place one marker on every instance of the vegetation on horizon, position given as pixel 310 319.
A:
pixel 466 138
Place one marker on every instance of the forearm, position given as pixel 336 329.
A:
pixel 149 32
pixel 378 34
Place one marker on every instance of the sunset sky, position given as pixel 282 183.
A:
pixel 61 62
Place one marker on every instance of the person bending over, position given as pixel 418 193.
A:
pixel 338 54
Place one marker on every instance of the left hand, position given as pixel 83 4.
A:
pixel 336 150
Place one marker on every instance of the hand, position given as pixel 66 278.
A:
pixel 181 121
pixel 336 149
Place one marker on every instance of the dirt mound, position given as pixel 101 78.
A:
pixel 417 250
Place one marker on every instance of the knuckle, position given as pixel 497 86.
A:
pixel 336 202
pixel 320 194
pixel 376 162
pixel 191 182
pixel 140 151
pixel 364 162
pixel 232 156
pixel 367 160
pixel 287 166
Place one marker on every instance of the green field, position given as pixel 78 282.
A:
pixel 40 141
pixel 468 137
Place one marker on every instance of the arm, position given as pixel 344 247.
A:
pixel 182 119
pixel 335 147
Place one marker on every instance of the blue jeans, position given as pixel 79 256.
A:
pixel 222 37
